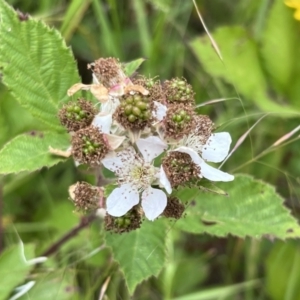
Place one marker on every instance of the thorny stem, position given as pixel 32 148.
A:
pixel 84 222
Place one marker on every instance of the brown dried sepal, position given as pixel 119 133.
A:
pixel 81 142
pixel 73 120
pixel 180 168
pixel 130 221
pixel 177 129
pixel 174 208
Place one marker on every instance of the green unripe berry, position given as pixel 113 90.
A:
pixel 129 100
pixel 136 111
pixel 76 108
pixel 178 118
pixel 182 113
pixel 141 105
pixel 137 98
pixel 119 222
pixel 91 148
pixel 146 115
pixel 127 222
pixel 131 118
pixel 128 109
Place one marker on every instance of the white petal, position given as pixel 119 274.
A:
pixel 117 161
pixel 103 122
pixel 160 111
pixel 192 153
pixel 95 79
pixel 121 200
pixel 117 90
pixel 214 174
pixel 206 170
pixel 217 146
pixel 154 201
pixel 110 106
pixel 164 181
pixel 114 141
pixel 151 147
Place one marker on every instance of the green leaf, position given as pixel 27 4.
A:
pixel 13 269
pixel 37 66
pixel 241 66
pixel 280 44
pixel 253 208
pixel 131 67
pixel 30 152
pixel 140 253
pixel 10 122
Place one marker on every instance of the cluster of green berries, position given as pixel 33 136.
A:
pixel 136 107
pixel 130 221
pixel 180 166
pixel 77 115
pixel 122 222
pixel 74 112
pixel 178 90
pixel 180 118
pixel 89 147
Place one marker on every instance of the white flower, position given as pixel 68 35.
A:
pixel 215 150
pixel 136 174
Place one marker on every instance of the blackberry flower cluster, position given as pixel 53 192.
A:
pixel 148 134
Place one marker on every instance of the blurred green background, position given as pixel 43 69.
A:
pixel 259 77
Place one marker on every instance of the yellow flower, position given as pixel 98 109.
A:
pixel 294 4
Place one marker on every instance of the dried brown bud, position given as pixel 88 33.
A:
pixel 204 127
pixel 108 71
pixel 174 208
pixel 85 196
pixel 180 168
